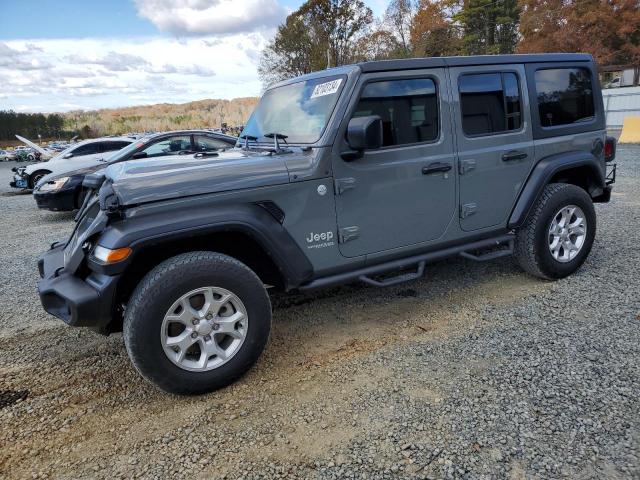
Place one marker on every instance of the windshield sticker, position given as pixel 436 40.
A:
pixel 327 88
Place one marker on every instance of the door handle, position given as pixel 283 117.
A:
pixel 436 167
pixel 514 155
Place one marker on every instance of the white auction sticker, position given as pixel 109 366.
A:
pixel 327 88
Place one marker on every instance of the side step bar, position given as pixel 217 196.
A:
pixel 501 252
pixel 365 274
pixel 387 282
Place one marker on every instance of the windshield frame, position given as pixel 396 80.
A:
pixel 262 140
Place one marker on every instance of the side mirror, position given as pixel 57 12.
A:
pixel 365 133
pixel 68 155
pixel 139 155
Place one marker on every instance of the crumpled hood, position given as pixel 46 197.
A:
pixel 162 178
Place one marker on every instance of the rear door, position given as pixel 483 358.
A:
pixel 494 141
pixel 402 194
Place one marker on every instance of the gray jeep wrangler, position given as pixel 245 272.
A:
pixel 359 173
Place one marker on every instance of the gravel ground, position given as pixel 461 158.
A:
pixel 477 371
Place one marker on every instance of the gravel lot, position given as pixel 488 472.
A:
pixel 477 371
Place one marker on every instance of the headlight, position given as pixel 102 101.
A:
pixel 53 185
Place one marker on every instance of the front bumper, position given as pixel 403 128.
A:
pixel 19 182
pixel 87 302
pixel 57 201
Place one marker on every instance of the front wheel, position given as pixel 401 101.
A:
pixel 558 233
pixel 197 322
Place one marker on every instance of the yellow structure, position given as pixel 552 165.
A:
pixel 630 130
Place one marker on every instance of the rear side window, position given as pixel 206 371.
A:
pixel 490 103
pixel 408 109
pixel 113 146
pixel 88 149
pixel 565 96
pixel 208 144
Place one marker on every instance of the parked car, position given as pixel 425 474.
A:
pixel 361 173
pixel 6 155
pixel 63 191
pixel 79 155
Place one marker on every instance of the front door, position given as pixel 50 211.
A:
pixel 494 139
pixel 402 194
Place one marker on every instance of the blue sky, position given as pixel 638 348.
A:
pixel 77 19
pixel 60 55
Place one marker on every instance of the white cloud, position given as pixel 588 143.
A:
pixel 211 17
pixel 100 73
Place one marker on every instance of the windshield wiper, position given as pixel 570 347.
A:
pixel 246 139
pixel 276 137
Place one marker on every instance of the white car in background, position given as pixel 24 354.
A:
pixel 87 153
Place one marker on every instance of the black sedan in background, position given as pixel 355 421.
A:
pixel 64 192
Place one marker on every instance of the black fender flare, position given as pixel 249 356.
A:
pixel 544 171
pixel 252 220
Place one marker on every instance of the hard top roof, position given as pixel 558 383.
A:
pixel 438 62
pixel 435 62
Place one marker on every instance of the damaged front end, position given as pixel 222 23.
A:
pixel 20 178
pixel 68 288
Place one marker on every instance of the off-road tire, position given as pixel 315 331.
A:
pixel 161 287
pixel 531 248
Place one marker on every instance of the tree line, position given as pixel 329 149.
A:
pixel 30 125
pixel 329 33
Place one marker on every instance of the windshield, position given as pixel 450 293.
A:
pixel 300 110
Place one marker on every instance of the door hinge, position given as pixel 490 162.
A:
pixel 348 233
pixel 466 166
pixel 344 184
pixel 468 209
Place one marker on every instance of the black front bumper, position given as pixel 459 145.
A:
pixel 60 201
pixel 87 302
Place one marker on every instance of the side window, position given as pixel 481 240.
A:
pixel 208 144
pixel 408 108
pixel 113 146
pixel 88 149
pixel 490 103
pixel 169 146
pixel 565 96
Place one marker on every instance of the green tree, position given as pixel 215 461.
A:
pixel 320 34
pixel 488 26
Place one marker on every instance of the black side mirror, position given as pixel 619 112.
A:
pixel 365 133
pixel 139 155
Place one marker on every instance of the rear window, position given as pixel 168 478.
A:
pixel 490 103
pixel 565 96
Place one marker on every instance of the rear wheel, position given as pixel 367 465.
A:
pixel 197 322
pixel 558 234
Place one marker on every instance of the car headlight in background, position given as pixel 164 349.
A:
pixel 53 185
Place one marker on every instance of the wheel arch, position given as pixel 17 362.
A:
pixel 35 173
pixel 578 168
pixel 248 233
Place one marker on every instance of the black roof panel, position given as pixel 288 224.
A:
pixel 434 62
